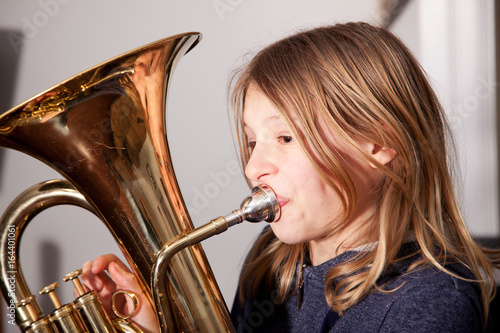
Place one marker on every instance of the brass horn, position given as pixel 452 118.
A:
pixel 104 131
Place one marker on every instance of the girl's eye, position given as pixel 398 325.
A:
pixel 251 146
pixel 285 139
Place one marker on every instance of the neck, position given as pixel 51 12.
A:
pixel 323 250
pixel 350 238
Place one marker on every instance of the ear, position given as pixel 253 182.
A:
pixel 381 154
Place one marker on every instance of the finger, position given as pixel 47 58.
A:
pixel 101 263
pixel 87 266
pixel 125 280
pixel 123 277
pixel 95 281
pixel 87 277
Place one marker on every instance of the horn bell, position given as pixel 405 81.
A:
pixel 104 131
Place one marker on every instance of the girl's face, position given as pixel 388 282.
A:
pixel 309 207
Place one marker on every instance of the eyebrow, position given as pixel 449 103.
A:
pixel 271 118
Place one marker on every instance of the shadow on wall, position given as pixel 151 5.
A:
pixel 9 62
pixel 50 257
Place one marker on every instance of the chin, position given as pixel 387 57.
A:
pixel 286 235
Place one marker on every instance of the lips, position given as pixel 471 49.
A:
pixel 282 201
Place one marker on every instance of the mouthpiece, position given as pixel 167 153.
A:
pixel 261 205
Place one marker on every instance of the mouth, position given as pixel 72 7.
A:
pixel 282 201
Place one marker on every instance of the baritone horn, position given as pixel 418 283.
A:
pixel 104 131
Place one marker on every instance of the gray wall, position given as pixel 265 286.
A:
pixel 56 39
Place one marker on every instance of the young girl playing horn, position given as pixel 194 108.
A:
pixel 342 123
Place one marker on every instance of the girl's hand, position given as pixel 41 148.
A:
pixel 106 275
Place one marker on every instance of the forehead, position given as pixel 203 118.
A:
pixel 258 108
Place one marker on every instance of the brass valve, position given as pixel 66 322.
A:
pixel 27 304
pixel 50 290
pixel 73 277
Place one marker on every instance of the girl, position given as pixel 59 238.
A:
pixel 341 122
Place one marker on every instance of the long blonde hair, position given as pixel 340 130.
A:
pixel 362 82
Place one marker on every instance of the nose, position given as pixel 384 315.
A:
pixel 261 165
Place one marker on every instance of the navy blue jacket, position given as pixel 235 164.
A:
pixel 429 300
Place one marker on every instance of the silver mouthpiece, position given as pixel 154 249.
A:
pixel 261 205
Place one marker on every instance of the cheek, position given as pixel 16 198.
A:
pixel 321 200
pixel 316 193
pixel 309 179
pixel 313 194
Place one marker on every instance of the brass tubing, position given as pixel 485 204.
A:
pixel 12 225
pixel 172 247
pixel 66 320
pixel 27 304
pixel 261 205
pixel 92 314
pixel 43 325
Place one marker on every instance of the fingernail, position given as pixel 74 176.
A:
pixel 94 268
pixel 87 265
pixel 118 268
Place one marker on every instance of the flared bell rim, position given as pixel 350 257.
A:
pixel 155 44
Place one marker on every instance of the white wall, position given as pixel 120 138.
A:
pixel 64 37
pixel 454 41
